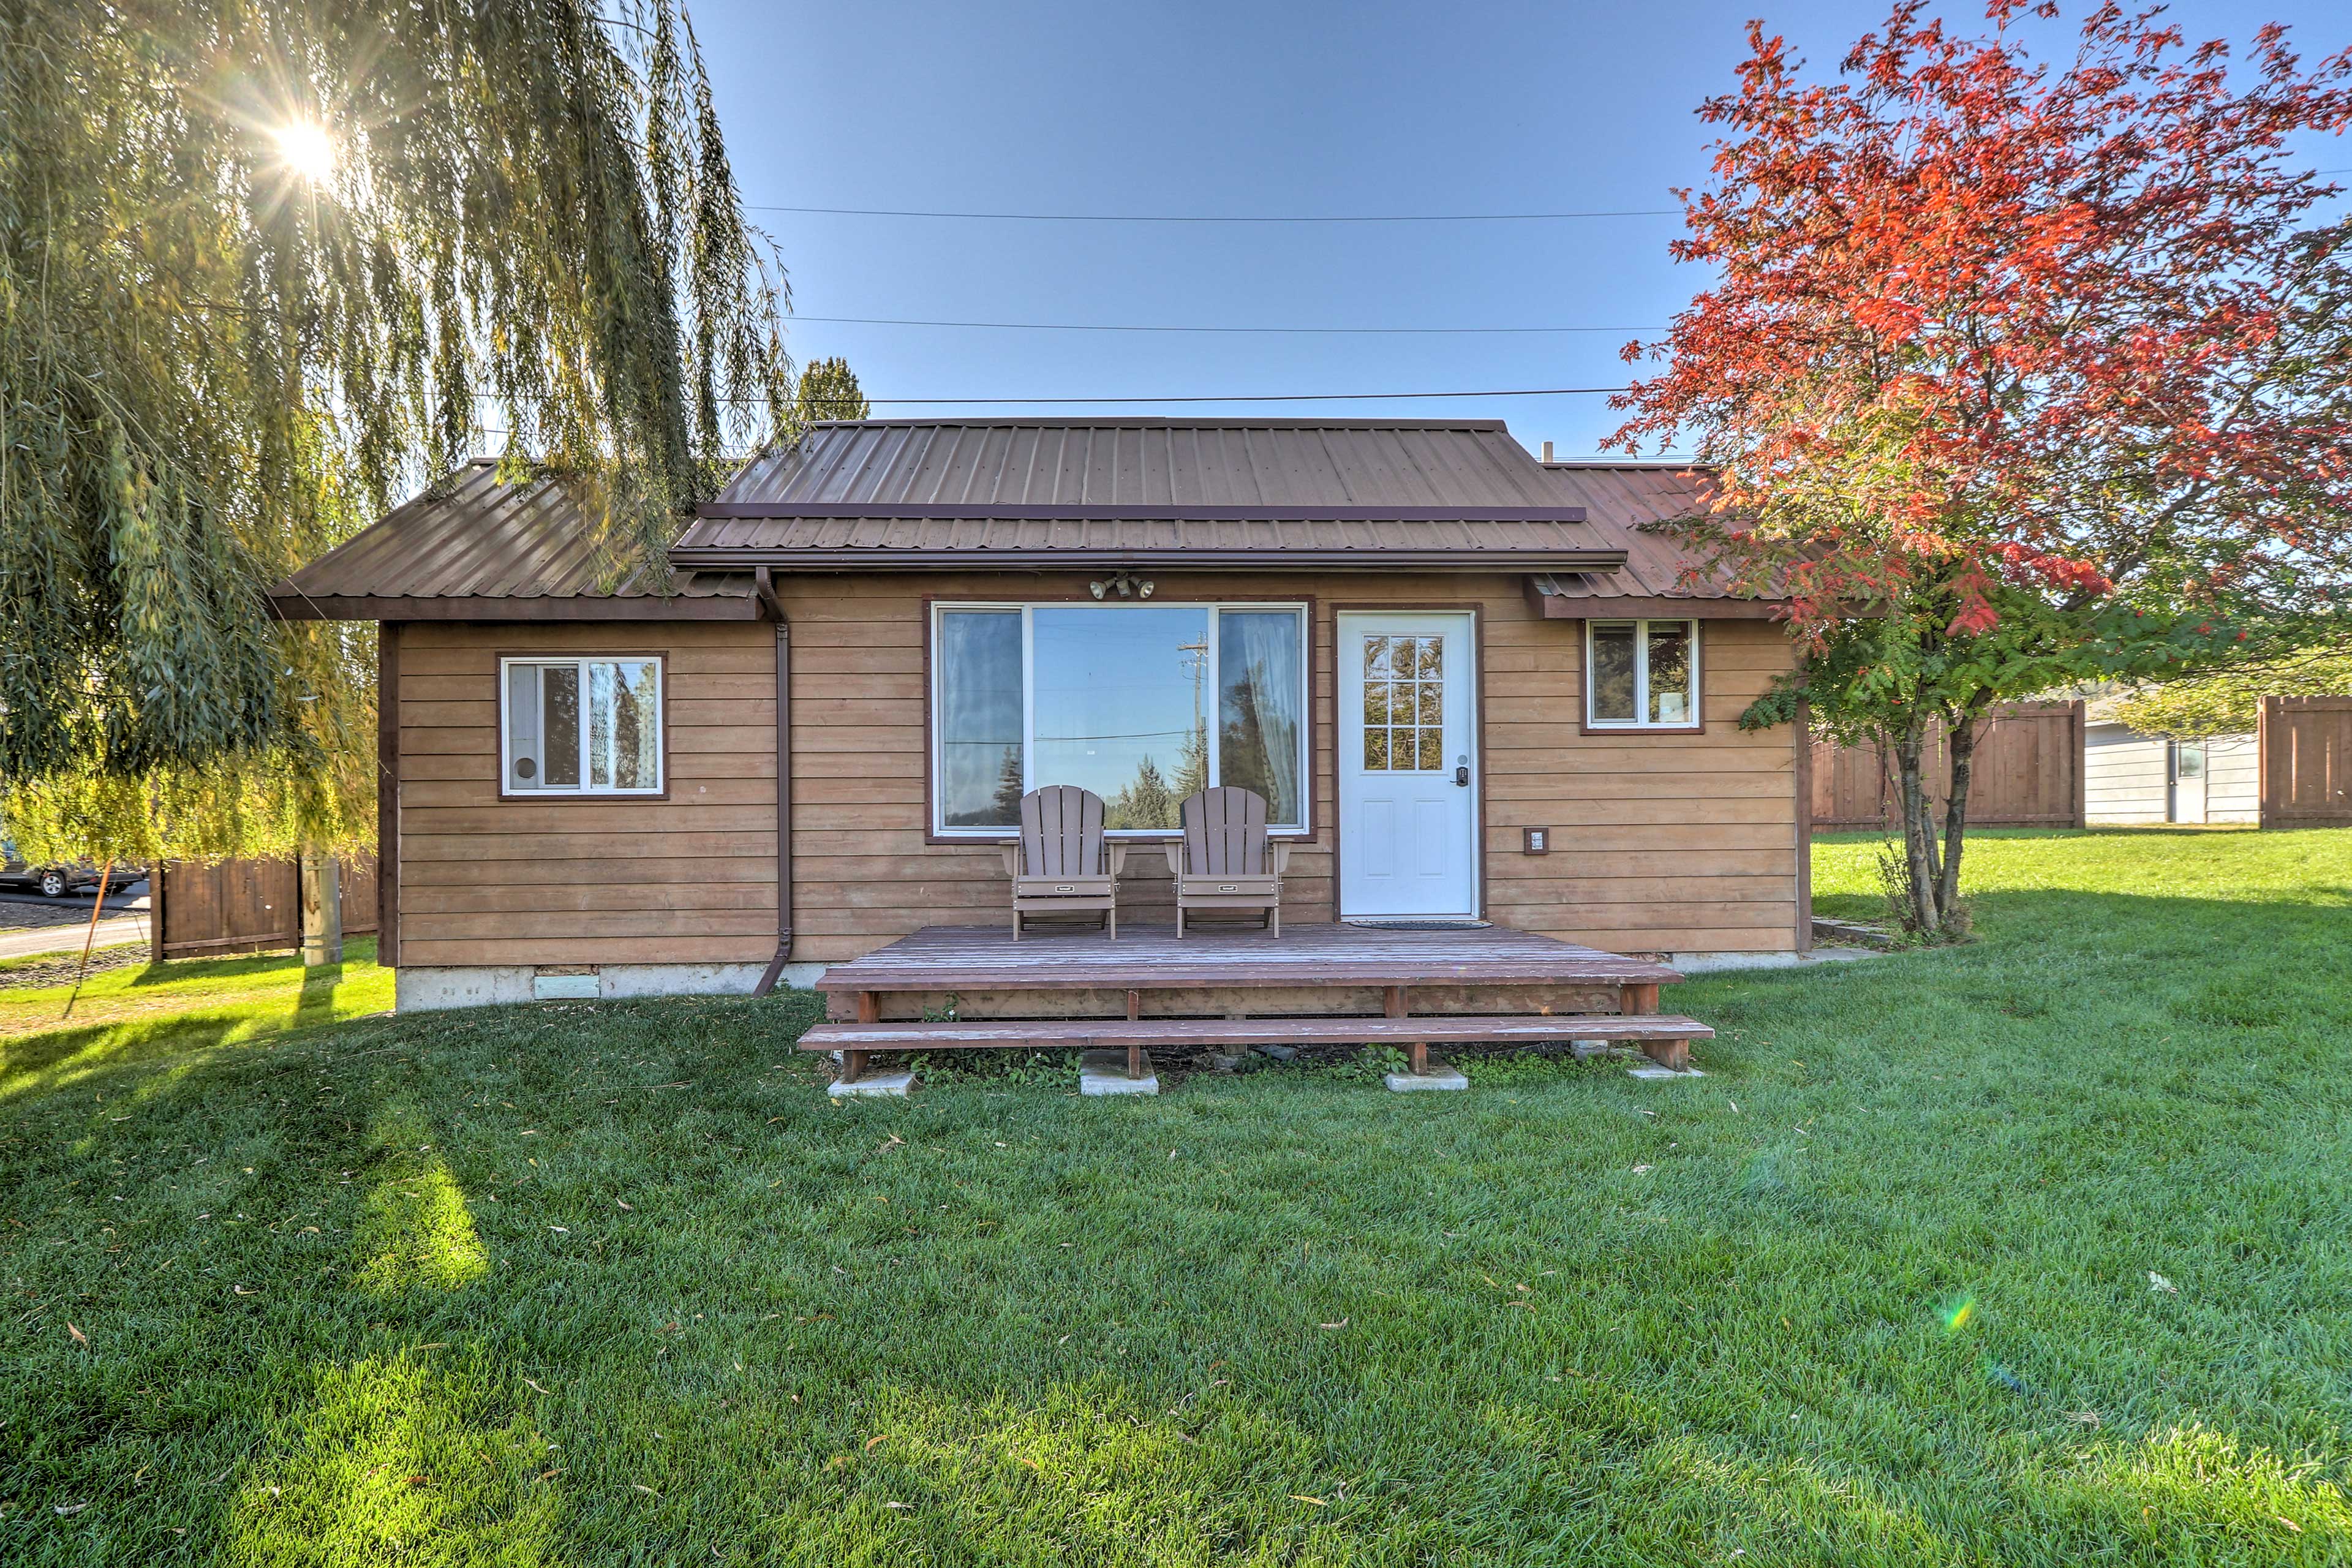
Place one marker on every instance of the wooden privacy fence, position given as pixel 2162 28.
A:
pixel 2029 773
pixel 2305 745
pixel 245 906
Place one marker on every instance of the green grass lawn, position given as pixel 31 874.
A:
pixel 594 1282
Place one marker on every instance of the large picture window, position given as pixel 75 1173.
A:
pixel 580 726
pixel 1642 675
pixel 1142 704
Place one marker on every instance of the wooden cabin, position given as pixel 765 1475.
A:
pixel 1476 689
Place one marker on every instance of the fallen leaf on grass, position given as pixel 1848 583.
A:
pixel 874 1443
pixel 2084 1417
pixel 631 1207
pixel 1340 1324
pixel 1035 1466
pixel 1530 1306
pixel 2288 1523
pixel 560 1230
pixel 1640 1169
pixel 647 1489
pixel 67 1509
pixel 2159 1282
pixel 1315 1500
pixel 79 1338
pixel 243 1291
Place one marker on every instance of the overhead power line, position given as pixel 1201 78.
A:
pixel 1106 327
pixel 1261 396
pixel 1230 219
pixel 1204 217
pixel 1195 397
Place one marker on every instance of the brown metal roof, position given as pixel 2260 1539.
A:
pixel 986 466
pixel 912 494
pixel 885 495
pixel 1621 502
pixel 475 549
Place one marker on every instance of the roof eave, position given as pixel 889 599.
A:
pixel 743 557
pixel 293 606
pixel 1551 600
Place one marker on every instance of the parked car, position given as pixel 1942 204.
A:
pixel 56 881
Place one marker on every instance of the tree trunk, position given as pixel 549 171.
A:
pixel 323 908
pixel 1963 743
pixel 1918 834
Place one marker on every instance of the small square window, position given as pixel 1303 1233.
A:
pixel 580 726
pixel 1642 675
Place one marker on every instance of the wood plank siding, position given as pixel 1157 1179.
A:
pixel 1660 842
pixel 687 878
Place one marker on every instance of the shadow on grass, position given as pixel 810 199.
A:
pixel 357 950
pixel 602 1282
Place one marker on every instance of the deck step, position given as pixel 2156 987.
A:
pixel 1049 1034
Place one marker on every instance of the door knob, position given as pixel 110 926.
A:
pixel 1462 770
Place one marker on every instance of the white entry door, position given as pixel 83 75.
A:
pixel 1408 751
pixel 2188 781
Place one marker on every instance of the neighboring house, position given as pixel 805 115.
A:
pixel 2131 779
pixel 1468 682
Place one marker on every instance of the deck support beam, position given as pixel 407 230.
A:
pixel 1640 999
pixel 1416 1052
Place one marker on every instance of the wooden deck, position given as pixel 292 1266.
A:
pixel 1151 958
pixel 973 987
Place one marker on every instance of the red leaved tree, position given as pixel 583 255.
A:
pixel 2015 374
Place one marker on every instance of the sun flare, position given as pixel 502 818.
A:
pixel 306 149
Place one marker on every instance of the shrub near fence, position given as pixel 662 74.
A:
pixel 2029 773
pixel 245 906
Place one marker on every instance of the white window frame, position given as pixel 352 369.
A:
pixel 1642 677
pixel 581 661
pixel 941 609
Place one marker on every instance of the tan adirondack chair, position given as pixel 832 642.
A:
pixel 1226 859
pixel 1062 863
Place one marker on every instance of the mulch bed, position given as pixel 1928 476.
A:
pixel 60 970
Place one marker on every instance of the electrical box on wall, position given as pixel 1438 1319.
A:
pixel 1539 840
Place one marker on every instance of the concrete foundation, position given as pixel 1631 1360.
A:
pixel 1442 1075
pixel 417 989
pixel 684 979
pixel 1716 962
pixel 1651 1069
pixel 426 989
pixel 1104 1072
pixel 873 1085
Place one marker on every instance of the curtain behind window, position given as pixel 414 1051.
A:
pixel 1257 708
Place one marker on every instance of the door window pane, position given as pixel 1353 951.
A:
pixel 1259 721
pixel 1613 674
pixel 980 781
pixel 1404 718
pixel 1119 699
pixel 1670 672
pixel 2192 761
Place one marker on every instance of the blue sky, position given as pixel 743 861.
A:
pixel 1269 109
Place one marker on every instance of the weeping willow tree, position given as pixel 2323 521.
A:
pixel 265 268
